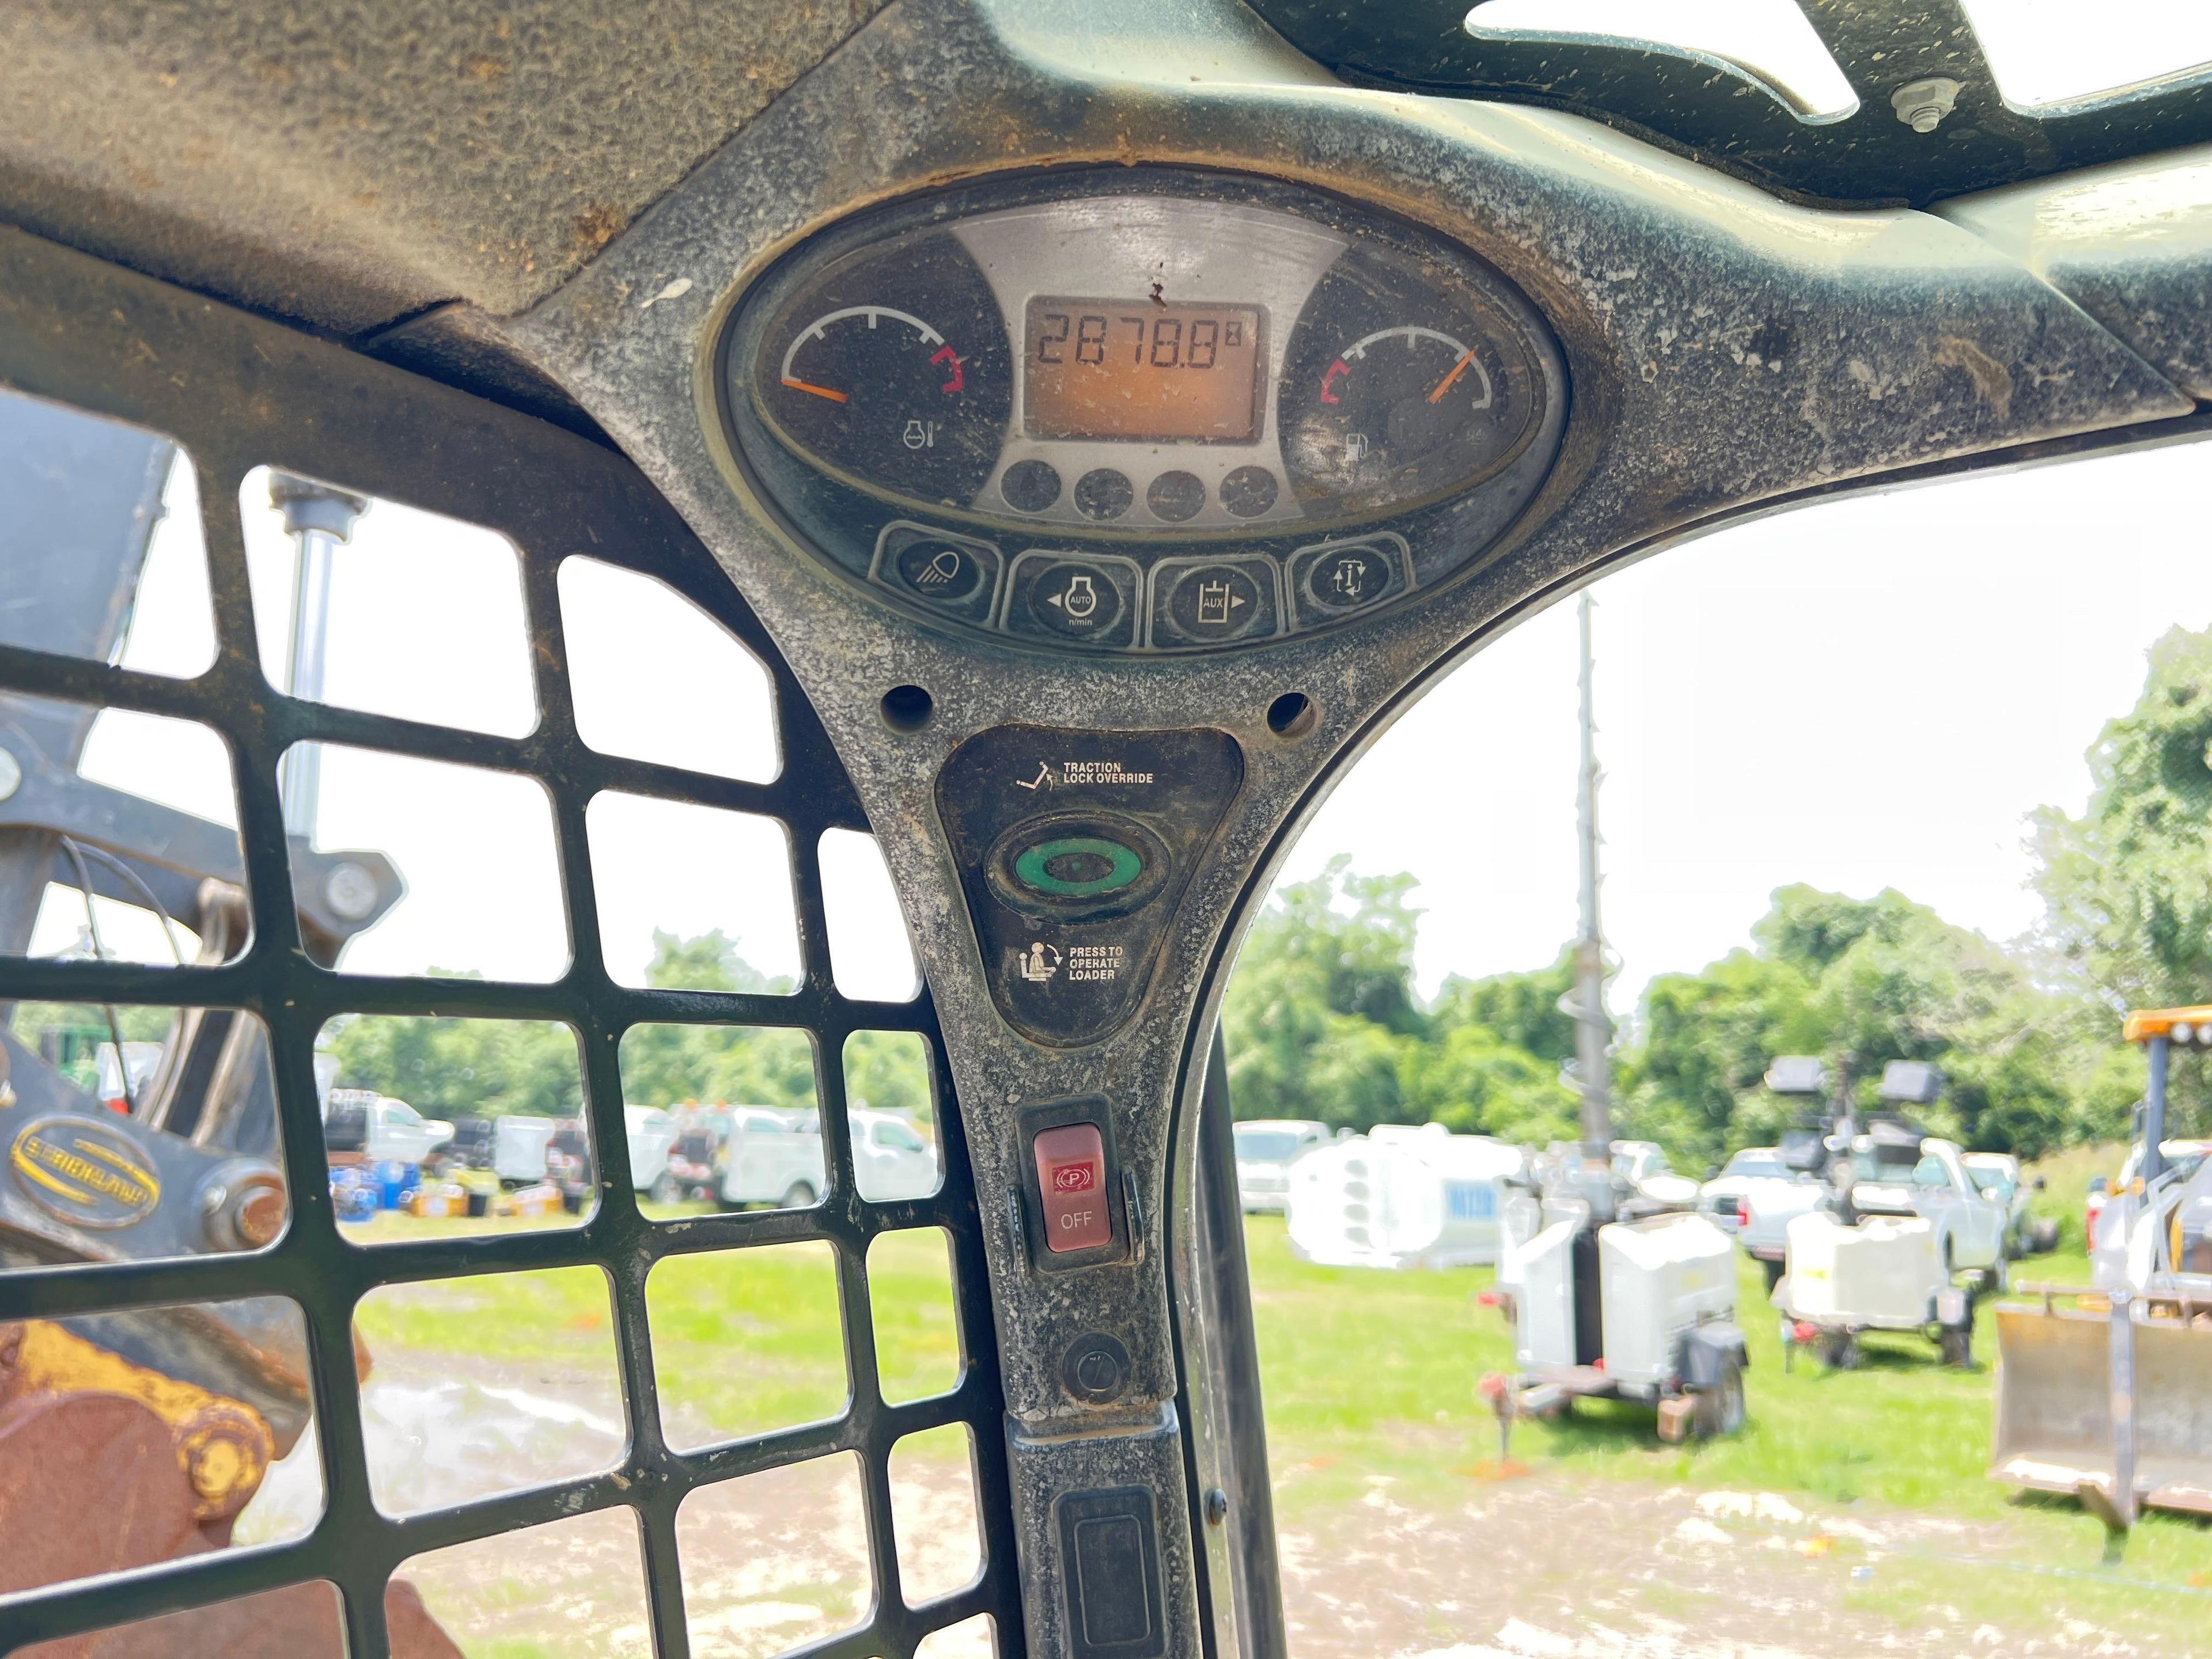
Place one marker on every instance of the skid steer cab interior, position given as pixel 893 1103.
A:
pixel 654 658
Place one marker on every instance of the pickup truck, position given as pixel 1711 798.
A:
pixel 1721 1200
pixel 652 1133
pixel 360 1123
pixel 1970 1226
pixel 772 1156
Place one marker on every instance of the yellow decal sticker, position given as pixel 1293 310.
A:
pixel 84 1172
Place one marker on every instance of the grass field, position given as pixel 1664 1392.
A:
pixel 1372 1377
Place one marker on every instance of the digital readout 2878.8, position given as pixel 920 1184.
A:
pixel 1135 370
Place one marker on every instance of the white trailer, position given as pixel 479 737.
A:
pixel 1400 1197
pixel 1640 1310
pixel 1885 1274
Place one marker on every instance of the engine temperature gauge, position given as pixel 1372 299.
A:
pixel 1396 390
pixel 892 370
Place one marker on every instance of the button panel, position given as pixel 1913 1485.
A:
pixel 1071 1168
pixel 1074 847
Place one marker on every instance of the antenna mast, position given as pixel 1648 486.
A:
pixel 1593 1026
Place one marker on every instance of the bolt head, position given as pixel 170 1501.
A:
pixel 1922 105
pixel 11 774
pixel 350 892
pixel 261 1216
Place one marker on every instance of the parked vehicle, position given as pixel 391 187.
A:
pixel 380 1128
pixel 1643 1164
pixel 1266 1149
pixel 771 1156
pixel 1767 1209
pixel 890 1160
pixel 652 1134
pixel 2003 1183
pixel 2104 1391
pixel 2184 1158
pixel 1970 1226
pixel 1721 1200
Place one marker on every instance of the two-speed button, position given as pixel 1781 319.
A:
pixel 1331 580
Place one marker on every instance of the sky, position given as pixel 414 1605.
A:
pixel 2038 50
pixel 1860 694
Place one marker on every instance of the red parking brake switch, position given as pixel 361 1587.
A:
pixel 1071 1164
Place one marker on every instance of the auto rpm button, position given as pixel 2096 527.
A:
pixel 1089 600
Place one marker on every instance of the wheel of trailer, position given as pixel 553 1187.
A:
pixel 798 1196
pixel 1839 1351
pixel 666 1190
pixel 1720 1409
pixel 1955 1343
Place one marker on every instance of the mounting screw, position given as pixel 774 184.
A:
pixel 350 892
pixel 1217 1506
pixel 11 774
pixel 1922 105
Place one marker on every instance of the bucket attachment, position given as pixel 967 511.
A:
pixel 2061 1370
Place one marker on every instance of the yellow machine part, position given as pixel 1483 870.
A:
pixel 2054 1416
pixel 2144 1024
pixel 223 1444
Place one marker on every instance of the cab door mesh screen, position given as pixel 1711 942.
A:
pixel 236 394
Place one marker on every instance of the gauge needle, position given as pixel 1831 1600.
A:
pixel 1442 385
pixel 839 397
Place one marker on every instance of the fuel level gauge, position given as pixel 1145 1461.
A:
pixel 1397 387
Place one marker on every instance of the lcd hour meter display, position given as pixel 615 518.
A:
pixel 1142 371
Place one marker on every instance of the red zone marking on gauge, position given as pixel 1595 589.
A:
pixel 946 354
pixel 1337 370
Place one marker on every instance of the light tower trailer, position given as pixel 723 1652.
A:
pixel 1641 1309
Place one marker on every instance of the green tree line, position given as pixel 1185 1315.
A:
pixel 494 1067
pixel 1324 1021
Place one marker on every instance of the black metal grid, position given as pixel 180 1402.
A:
pixel 236 393
pixel 1724 115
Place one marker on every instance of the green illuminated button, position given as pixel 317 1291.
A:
pixel 1078 866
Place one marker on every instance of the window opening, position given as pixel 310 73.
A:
pixel 1879 873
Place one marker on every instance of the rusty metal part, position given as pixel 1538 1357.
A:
pixel 90 1483
pixel 222 1447
pixel 300 1621
pixel 106 1466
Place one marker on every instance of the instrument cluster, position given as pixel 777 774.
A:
pixel 1148 411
